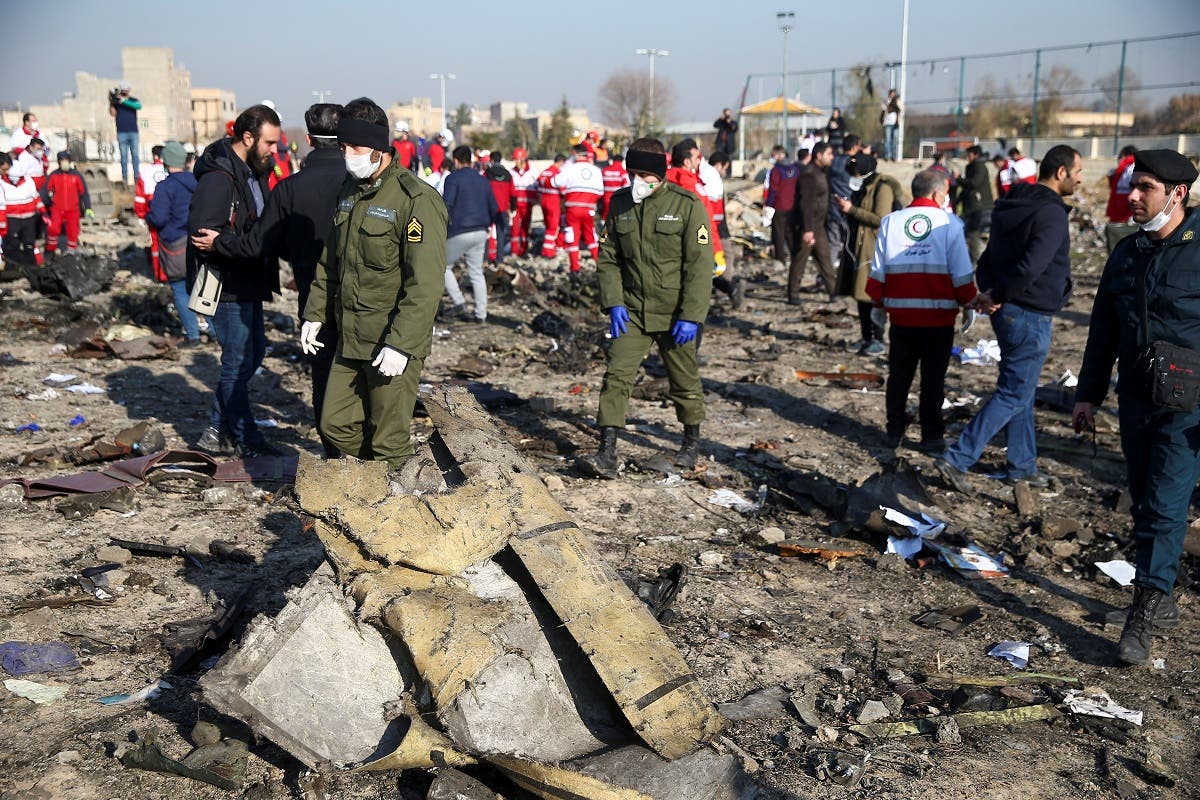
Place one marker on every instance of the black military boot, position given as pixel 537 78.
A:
pixel 1134 647
pixel 689 451
pixel 603 464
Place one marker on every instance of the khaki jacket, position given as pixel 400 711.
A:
pixel 879 199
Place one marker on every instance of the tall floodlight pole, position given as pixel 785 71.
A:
pixel 903 82
pixel 443 77
pixel 786 20
pixel 653 53
pixel 321 94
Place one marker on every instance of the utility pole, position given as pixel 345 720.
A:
pixel 903 83
pixel 1120 91
pixel 786 20
pixel 653 53
pixel 443 77
pixel 1037 79
pixel 321 94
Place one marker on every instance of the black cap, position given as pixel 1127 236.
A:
pixel 1166 165
pixel 861 165
pixel 680 152
pixel 63 155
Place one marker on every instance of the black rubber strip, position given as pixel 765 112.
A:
pixel 664 690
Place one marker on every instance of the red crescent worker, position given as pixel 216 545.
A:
pixel 582 187
pixel 551 199
pixel 66 195
pixel 615 178
pixel 525 194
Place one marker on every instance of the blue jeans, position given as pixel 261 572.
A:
pixel 1024 338
pixel 127 143
pixel 187 317
pixel 239 329
pixel 889 142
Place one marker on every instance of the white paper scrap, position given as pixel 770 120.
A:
pixel 1094 702
pixel 85 388
pixel 1120 571
pixel 1015 653
pixel 730 499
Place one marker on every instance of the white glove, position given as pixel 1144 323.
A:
pixel 878 317
pixel 390 363
pixel 968 319
pixel 768 215
pixel 308 338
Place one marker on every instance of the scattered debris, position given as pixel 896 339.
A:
pixel 1120 571
pixel 826 551
pixel 222 765
pixel 769 703
pixel 950 620
pixel 730 499
pixel 985 354
pixel 1015 653
pixel 40 693
pixel 846 380
pixel 1095 702
pixel 965 719
pixel 146 693
pixel 23 658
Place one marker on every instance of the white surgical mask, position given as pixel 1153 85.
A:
pixel 1159 220
pixel 360 166
pixel 642 188
pixel 856 183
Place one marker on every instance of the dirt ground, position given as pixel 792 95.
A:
pixel 748 619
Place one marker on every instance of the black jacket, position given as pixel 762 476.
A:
pixel 1172 274
pixel 812 201
pixel 296 221
pixel 1028 257
pixel 975 190
pixel 223 202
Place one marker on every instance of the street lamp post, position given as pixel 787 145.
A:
pixel 786 21
pixel 653 53
pixel 903 83
pixel 321 94
pixel 443 77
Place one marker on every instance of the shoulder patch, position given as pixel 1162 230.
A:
pixel 415 232
pixel 346 204
pixel 702 235
pixel 1189 235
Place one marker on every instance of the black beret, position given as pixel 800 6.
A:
pixel 64 155
pixel 861 165
pixel 1166 165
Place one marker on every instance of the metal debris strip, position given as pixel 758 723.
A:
pixel 966 719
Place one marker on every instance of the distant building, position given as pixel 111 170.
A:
pixel 211 109
pixel 82 119
pixel 423 118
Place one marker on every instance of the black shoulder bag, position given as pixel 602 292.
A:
pixel 1171 373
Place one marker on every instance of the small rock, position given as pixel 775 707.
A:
pixel 117 577
pixel 892 562
pixel 199 546
pixel 842 673
pixel 12 495
pixel 252 493
pixel 1035 560
pixel 946 731
pixel 1020 694
pixel 896 676
pixel 827 734
pixel 711 558
pixel 554 483
pixel 205 733
pixel 1065 549
pixel 872 711
pixel 1124 502
pixel 68 756
pixel 1059 527
pixel 793 738
pixel 894 704
pixel 219 496
pixel 113 554
pixel 139 579
pixel 772 535
pixel 803 706
pixel 1085 535
pixel 1025 501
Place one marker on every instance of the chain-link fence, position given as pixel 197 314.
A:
pixel 1102 90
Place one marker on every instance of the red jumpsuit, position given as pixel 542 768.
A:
pixel 615 177
pixel 148 177
pixel 525 194
pixel 551 200
pixel 283 163
pixel 406 152
pixel 582 188
pixel 22 206
pixel 1119 181
pixel 67 196
pixel 502 190
pixel 436 154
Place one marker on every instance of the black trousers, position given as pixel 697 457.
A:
pixel 928 348
pixel 781 235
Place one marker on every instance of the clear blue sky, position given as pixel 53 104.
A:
pixel 538 51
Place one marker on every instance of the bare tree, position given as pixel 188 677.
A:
pixel 994 112
pixel 1057 85
pixel 625 101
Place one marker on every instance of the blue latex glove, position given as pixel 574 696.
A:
pixel 684 331
pixel 618 316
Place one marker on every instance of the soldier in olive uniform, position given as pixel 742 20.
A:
pixel 381 278
pixel 655 270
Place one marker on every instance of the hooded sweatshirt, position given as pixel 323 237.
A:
pixel 225 202
pixel 168 212
pixel 1028 257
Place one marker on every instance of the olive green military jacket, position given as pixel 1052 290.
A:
pixel 656 258
pixel 384 267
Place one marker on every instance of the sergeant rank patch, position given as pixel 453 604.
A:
pixel 415 230
pixel 702 235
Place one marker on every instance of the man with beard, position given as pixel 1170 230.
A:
pixel 230 195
